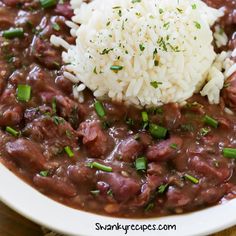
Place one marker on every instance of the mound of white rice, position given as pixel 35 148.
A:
pixel 143 52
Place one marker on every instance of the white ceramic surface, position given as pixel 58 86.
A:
pixel 42 210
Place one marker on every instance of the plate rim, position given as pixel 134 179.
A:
pixel 24 204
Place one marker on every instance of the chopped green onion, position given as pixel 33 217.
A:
pixel 56 27
pixel 157 131
pixel 13 33
pixel 229 152
pixel 204 131
pixel 95 192
pixel 23 92
pixel 129 122
pixel 12 131
pixel 141 163
pixel 197 25
pixel 54 105
pixel 194 6
pixel 191 178
pixel 174 146
pixel 58 120
pixel 144 116
pixel 68 134
pixel 134 1
pixel 155 84
pixel 136 137
pixel 48 3
pixel 100 167
pixel 187 127
pixel 68 151
pixel 210 121
pixel 162 188
pixel 44 173
pixel 109 192
pixel 116 68
pixel 141 47
pixel 149 207
pixel 99 109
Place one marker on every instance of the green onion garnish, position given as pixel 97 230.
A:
pixel 13 33
pixel 100 166
pixel 68 151
pixel 197 25
pixel 116 68
pixel 44 173
pixel 12 131
pixel 204 131
pixel 99 109
pixel 95 192
pixel 229 152
pixel 110 192
pixel 149 207
pixel 141 163
pixel 56 27
pixel 162 188
pixel 174 146
pixel 141 47
pixel 23 92
pixel 210 121
pixel 191 178
pixel 58 120
pixel 144 116
pixel 48 3
pixel 54 105
pixel 157 131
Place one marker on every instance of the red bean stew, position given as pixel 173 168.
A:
pixel 101 156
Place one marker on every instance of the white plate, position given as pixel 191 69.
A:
pixel 42 210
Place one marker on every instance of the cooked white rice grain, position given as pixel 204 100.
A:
pixel 145 53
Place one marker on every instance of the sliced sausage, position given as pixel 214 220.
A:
pixel 123 188
pixel 27 154
pixel 55 185
pixel 97 141
pixel 129 149
pixel 163 150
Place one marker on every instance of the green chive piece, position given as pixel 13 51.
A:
pixel 134 1
pixel 58 120
pixel 149 207
pixel 162 188
pixel 110 192
pixel 211 121
pixel 12 131
pixel 68 151
pixel 100 167
pixel 191 178
pixel 141 47
pixel 157 131
pixel 54 105
pixel 56 27
pixel 48 3
pixel 155 84
pixel 13 33
pixel 229 152
pixel 95 192
pixel 174 146
pixel 204 131
pixel 145 116
pixel 141 163
pixel 116 68
pixel 99 109
pixel 44 173
pixel 197 25
pixel 23 92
